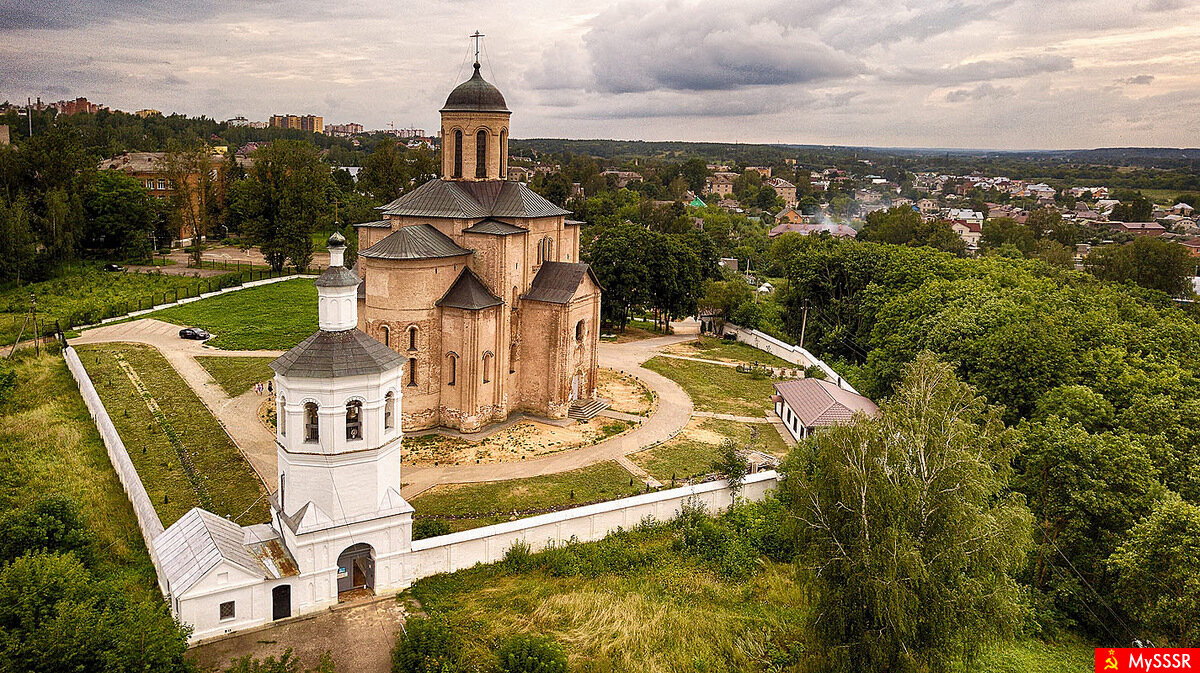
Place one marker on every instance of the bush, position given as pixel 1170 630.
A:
pixel 519 557
pixel 426 646
pixel 8 381
pixel 712 541
pixel 814 372
pixel 423 528
pixel 531 654
pixel 51 524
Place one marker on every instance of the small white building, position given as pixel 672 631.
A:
pixel 810 403
pixel 338 523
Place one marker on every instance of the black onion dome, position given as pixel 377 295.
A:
pixel 476 94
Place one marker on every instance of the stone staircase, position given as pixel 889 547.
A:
pixel 582 410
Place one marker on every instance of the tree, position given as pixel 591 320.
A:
pixel 1148 261
pixel 619 256
pixel 1001 231
pixel 695 171
pixel 120 215
pixel 190 173
pixel 283 201
pixel 386 174
pixel 1136 209
pixel 531 654
pixel 907 527
pixel 16 240
pixel 55 617
pixel 904 226
pixel 50 524
pixel 426 646
pixel 732 466
pixel 1158 572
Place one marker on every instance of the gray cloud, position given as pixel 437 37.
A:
pixel 980 92
pixel 1137 79
pixel 976 71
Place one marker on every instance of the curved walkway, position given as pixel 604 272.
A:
pixel 239 415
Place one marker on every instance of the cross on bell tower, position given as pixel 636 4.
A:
pixel 476 35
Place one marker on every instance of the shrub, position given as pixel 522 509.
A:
pixel 519 557
pixel 8 381
pixel 733 466
pixel 531 654
pixel 814 372
pixel 426 646
pixel 423 528
pixel 712 542
pixel 51 524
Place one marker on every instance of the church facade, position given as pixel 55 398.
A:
pixel 475 281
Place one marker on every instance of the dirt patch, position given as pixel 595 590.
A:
pixel 520 441
pixel 266 413
pixel 630 334
pixel 628 394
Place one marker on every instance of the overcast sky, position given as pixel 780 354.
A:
pixel 1006 74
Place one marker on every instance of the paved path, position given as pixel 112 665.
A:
pixel 238 415
pixel 637 471
pixel 673 413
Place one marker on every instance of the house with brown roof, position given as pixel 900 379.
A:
pixel 807 404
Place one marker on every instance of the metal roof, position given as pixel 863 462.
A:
pixel 819 403
pixel 469 293
pixel 380 224
pixel 573 223
pixel 334 354
pixel 417 241
pixel 495 227
pixel 472 200
pixel 556 282
pixel 476 94
pixel 197 543
pixel 337 276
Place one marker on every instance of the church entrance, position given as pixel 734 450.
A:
pixel 281 602
pixel 574 388
pixel 356 571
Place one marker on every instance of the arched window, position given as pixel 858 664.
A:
pixel 514 298
pixel 452 366
pixel 412 371
pixel 281 415
pixel 481 154
pixel 545 250
pixel 412 338
pixel 512 358
pixel 354 419
pixel 579 331
pixel 387 336
pixel 458 154
pixel 487 366
pixel 503 154
pixel 312 426
pixel 389 410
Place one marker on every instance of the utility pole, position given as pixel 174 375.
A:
pixel 803 322
pixel 29 114
pixel 37 349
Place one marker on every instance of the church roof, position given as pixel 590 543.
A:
pixel 379 224
pixel 469 293
pixel 327 355
pixel 337 276
pixel 472 200
pixel 197 543
pixel 476 94
pixel 495 227
pixel 417 241
pixel 556 282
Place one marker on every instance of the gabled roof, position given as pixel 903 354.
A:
pixel 378 224
pixel 494 227
pixel 556 282
pixel 417 241
pixel 333 354
pixel 469 293
pixel 472 200
pixel 197 543
pixel 819 403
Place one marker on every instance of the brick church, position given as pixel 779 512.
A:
pixel 476 282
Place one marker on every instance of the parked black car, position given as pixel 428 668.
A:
pixel 113 267
pixel 193 333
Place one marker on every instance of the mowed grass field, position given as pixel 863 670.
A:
pixel 487 503
pixel 236 375
pixel 711 348
pixel 269 317
pixel 182 454
pixel 717 388
pixel 634 602
pixel 690 455
pixel 49 445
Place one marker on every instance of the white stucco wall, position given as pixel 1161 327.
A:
pixel 794 354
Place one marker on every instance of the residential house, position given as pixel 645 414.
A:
pixel 720 183
pixel 792 215
pixel 148 168
pixel 784 189
pixel 804 229
pixel 1139 228
pixel 969 232
pixel 808 404
pixel 927 206
pixel 622 177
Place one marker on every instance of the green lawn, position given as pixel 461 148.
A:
pixel 711 348
pixel 236 375
pixel 183 456
pixel 492 502
pixel 717 388
pixel 683 457
pixel 269 317
pixel 49 445
pixel 85 294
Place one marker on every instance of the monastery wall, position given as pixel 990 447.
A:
pixel 793 354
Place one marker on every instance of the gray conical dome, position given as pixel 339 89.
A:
pixel 476 94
